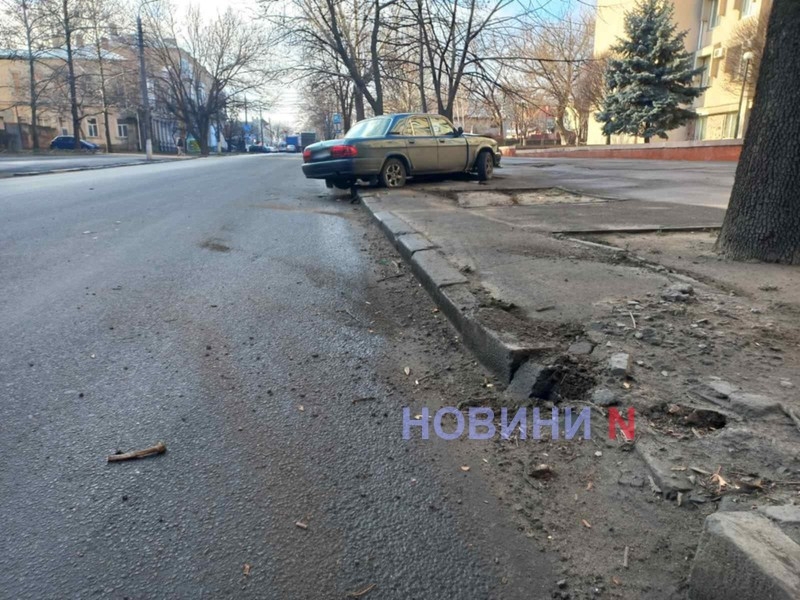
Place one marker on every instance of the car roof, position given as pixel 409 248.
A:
pixel 403 115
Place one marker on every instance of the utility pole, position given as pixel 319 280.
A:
pixel 143 86
pixel 261 123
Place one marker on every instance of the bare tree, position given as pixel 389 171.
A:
pixel 99 16
pixel 590 89
pixel 65 18
pixel 451 32
pixel 749 36
pixel 554 57
pixel 24 31
pixel 352 33
pixel 204 63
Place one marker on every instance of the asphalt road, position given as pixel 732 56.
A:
pixel 204 303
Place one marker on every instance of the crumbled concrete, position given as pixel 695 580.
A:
pixel 604 397
pixel 581 348
pixel 532 380
pixel 754 405
pixel 787 514
pixel 787 517
pixel 658 462
pixel 678 292
pixel 619 364
pixel 745 556
pixel 721 388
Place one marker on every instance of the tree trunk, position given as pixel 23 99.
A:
pixel 32 87
pixel 34 101
pixel 421 63
pixel 763 218
pixel 73 92
pixel 359 101
pixel 34 104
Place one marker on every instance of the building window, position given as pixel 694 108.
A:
pixel 700 128
pixel 713 16
pixel 92 128
pixel 705 75
pixel 122 130
pixel 748 8
pixel 729 126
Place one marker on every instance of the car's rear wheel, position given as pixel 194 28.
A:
pixel 393 174
pixel 485 165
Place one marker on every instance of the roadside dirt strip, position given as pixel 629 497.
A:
pixel 700 501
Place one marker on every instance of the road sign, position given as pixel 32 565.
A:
pixel 246 128
pixel 337 118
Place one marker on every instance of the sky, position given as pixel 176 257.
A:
pixel 285 100
pixel 284 105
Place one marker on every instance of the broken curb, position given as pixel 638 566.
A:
pixel 500 352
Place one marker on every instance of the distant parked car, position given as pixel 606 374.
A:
pixel 390 148
pixel 67 142
pixel 258 148
pixel 291 148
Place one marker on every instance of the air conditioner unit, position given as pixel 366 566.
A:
pixel 719 52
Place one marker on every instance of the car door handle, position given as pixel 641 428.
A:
pixel 441 141
pixel 412 141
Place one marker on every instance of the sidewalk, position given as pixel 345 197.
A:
pixel 21 165
pixel 576 299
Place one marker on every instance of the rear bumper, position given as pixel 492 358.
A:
pixel 340 168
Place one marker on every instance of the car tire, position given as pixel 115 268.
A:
pixel 485 165
pixel 393 174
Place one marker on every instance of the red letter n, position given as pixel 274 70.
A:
pixel 628 429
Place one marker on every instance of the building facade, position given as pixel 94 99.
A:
pixel 53 109
pixel 723 36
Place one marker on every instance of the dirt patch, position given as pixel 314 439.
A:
pixel 520 197
pixel 215 245
pixel 693 253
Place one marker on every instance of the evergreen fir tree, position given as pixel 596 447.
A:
pixel 650 79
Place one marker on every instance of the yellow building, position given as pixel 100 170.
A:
pixel 721 35
pixel 53 111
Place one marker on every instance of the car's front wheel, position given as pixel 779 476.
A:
pixel 485 165
pixel 393 174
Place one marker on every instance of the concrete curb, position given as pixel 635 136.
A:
pixel 92 168
pixel 499 352
pixel 744 555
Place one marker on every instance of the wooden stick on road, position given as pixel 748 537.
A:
pixel 159 448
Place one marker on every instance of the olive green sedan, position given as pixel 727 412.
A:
pixel 391 148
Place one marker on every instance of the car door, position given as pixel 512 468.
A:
pixel 421 145
pixel 453 153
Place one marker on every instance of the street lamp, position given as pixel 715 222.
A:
pixel 143 83
pixel 746 57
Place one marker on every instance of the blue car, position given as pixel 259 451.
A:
pixel 67 142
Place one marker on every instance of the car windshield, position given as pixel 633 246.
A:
pixel 369 128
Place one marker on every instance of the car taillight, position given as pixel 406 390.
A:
pixel 306 155
pixel 344 151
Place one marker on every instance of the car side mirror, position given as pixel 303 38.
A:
pixel 459 132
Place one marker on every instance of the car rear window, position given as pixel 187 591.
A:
pixel 370 128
